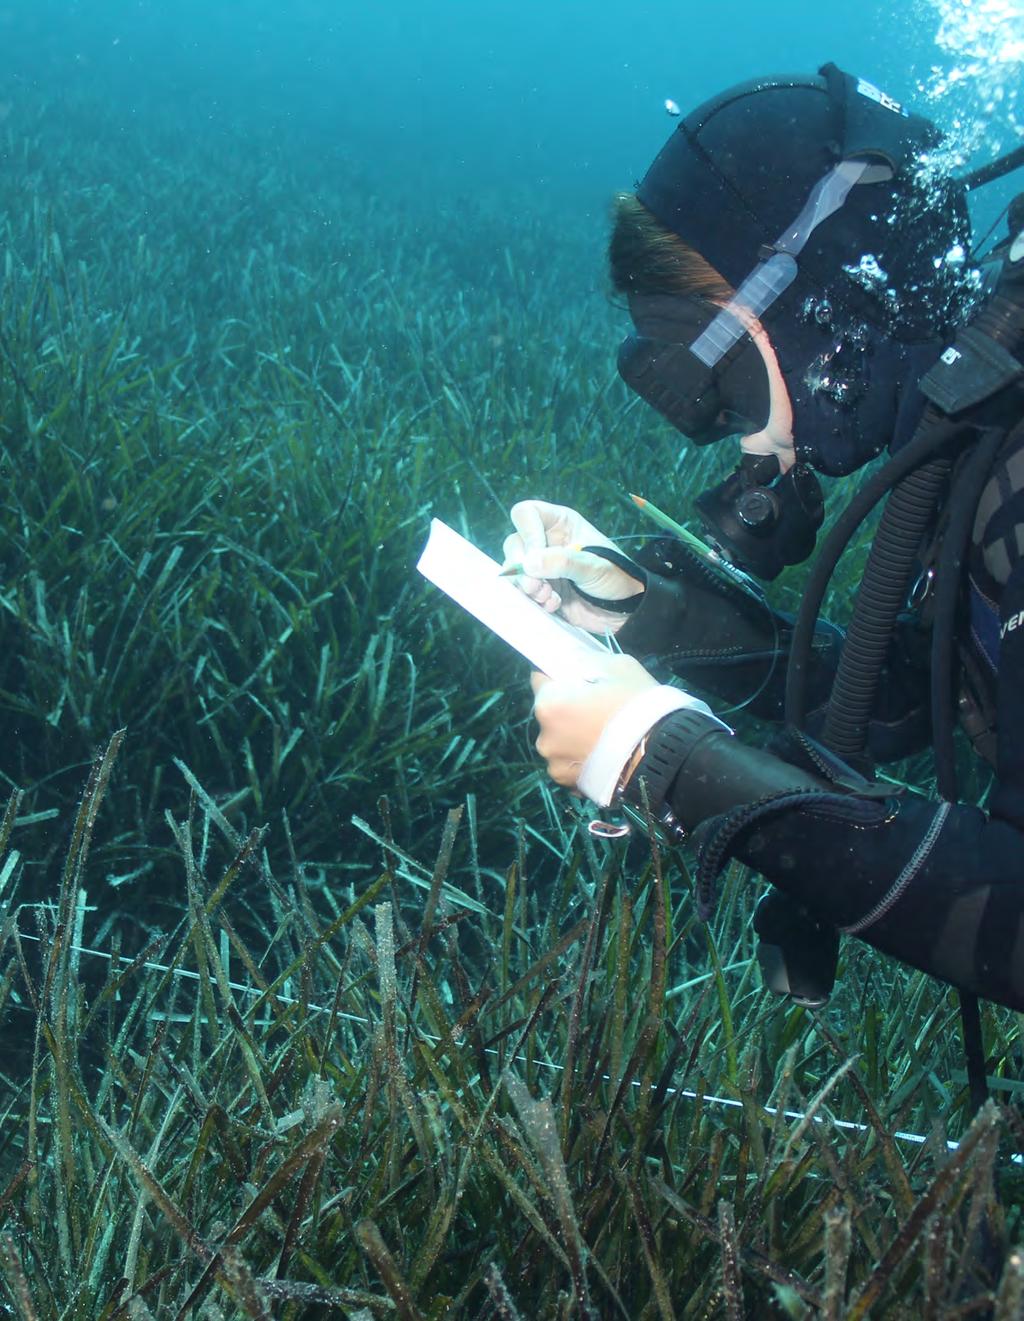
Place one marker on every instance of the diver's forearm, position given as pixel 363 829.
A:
pixel 934 884
pixel 714 771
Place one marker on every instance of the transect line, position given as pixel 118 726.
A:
pixel 191 976
pixel 851 1125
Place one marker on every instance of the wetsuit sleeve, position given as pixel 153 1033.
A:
pixel 938 885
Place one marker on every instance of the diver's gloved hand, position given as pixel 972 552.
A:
pixel 558 573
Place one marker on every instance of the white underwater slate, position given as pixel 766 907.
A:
pixel 471 578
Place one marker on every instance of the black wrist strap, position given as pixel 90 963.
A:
pixel 627 604
pixel 669 744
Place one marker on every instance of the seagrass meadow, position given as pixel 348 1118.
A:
pixel 315 1001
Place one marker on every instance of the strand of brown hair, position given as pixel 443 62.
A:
pixel 646 258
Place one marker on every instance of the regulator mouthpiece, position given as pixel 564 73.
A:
pixel 763 521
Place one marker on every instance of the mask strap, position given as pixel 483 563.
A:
pixel 773 277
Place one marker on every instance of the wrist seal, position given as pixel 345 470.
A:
pixel 670 744
pixel 624 605
pixel 696 769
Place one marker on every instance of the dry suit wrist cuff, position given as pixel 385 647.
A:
pixel 669 746
pixel 622 605
pixel 602 771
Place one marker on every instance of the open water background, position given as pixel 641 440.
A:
pixel 561 99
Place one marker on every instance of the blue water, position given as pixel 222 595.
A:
pixel 559 98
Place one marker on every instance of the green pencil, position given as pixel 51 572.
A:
pixel 716 560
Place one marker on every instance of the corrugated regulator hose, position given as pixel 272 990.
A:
pixel 882 595
pixel 915 476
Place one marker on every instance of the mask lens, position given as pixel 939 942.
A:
pixel 705 404
pixel 732 423
pixel 661 373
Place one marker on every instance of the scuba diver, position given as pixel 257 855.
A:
pixel 798 269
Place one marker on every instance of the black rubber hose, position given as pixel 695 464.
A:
pixel 934 431
pixel 963 504
pixel 948 576
pixel 994 169
pixel 881 596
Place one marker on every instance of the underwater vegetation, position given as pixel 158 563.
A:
pixel 314 1000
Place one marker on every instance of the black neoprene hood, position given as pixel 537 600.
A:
pixel 737 170
pixel 881 278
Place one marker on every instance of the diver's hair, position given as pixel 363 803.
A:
pixel 646 258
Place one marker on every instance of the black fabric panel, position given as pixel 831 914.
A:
pixel 1008 799
pixel 999 526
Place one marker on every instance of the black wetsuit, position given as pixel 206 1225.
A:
pixel 939 885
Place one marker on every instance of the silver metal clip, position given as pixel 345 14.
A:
pixel 608 829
